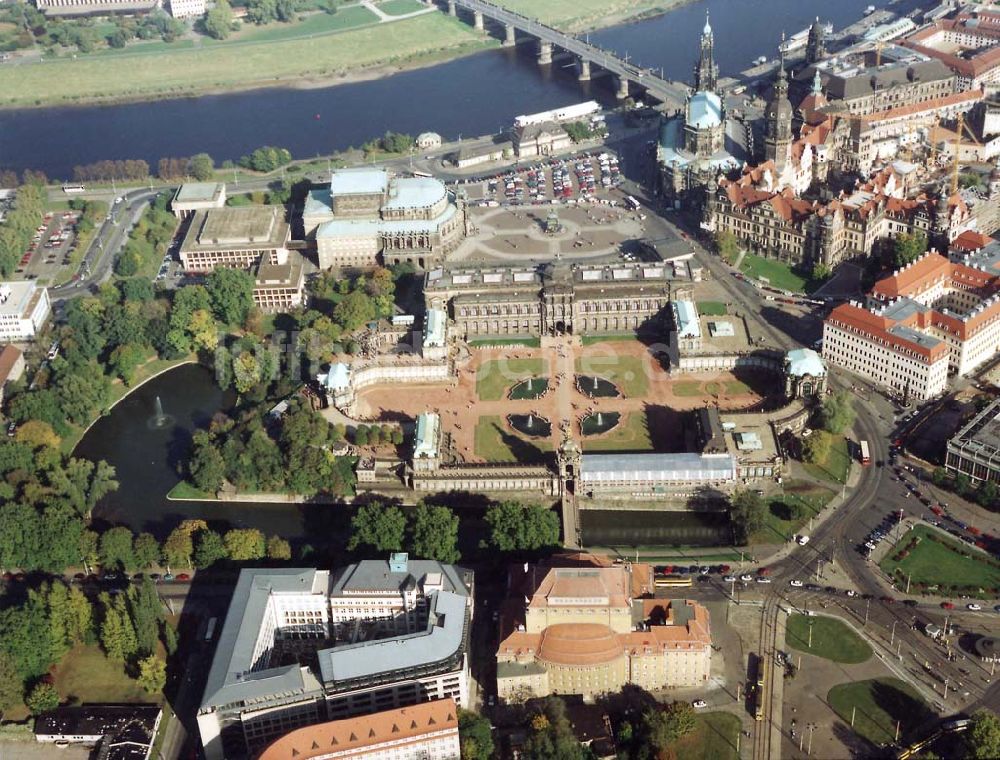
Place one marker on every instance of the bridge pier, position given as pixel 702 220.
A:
pixel 584 72
pixel 622 88
pixel 452 10
pixel 510 39
pixel 544 53
pixel 477 20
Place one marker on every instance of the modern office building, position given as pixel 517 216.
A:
pixel 240 237
pixel 974 451
pixel 368 216
pixel 304 646
pixel 187 8
pixel 197 196
pixel 24 310
pixel 578 624
pixel 427 731
pixel 278 287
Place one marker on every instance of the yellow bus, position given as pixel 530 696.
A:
pixel 672 581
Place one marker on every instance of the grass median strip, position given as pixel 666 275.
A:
pixel 876 705
pixel 832 639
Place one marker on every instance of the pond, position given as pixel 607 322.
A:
pixel 531 388
pixel 530 425
pixel 654 528
pixel 600 422
pixel 596 387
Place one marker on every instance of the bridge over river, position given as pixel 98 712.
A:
pixel 588 56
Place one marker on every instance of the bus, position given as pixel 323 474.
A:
pixel 416 173
pixel 73 189
pixel 672 581
pixel 210 629
pixel 632 203
pixel 866 458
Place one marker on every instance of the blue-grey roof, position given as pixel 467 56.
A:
pixel 378 575
pixel 234 676
pixel 919 338
pixel 903 308
pixel 359 182
pixel 415 192
pixel 663 468
pixel 434 328
pixel 317 202
pixel 804 361
pixel 704 110
pixel 198 191
pixel 686 319
pixel 428 425
pixel 443 638
pixel 671 148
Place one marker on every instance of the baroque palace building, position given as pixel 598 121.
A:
pixel 555 298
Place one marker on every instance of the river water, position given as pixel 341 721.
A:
pixel 475 95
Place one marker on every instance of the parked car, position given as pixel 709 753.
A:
pixel 796 583
pixel 974 607
pixel 947 606
pixel 699 703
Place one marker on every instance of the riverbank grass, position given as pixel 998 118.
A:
pixel 237 64
pixel 401 7
pixel 877 705
pixel 572 15
pixel 935 559
pixel 831 639
pixel 496 376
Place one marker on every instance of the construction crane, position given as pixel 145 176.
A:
pixel 933 156
pixel 961 127
pixel 879 44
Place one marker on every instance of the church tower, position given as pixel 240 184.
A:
pixel 778 121
pixel 816 44
pixel 706 73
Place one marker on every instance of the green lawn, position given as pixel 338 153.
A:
pixel 877 705
pixel 712 309
pixel 939 562
pixel 590 340
pixel 831 639
pixel 631 434
pixel 713 738
pixel 779 526
pixel 238 63
pixel 496 442
pixel 736 388
pixel 497 375
pixel 401 7
pixel 687 388
pixel 185 490
pixel 780 275
pixel 498 342
pixel 627 372
pixel 85 673
pixel 580 14
pixel 837 464
pixel 310 26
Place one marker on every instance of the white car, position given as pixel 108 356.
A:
pixel 851 592
pixel 729 579
pixel 746 577
pixel 974 607
pixel 699 703
pixel 796 583
pixel 763 579
pixel 802 540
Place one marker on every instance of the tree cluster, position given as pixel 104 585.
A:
pixel 747 512
pixel 987 494
pixel 579 131
pixel 148 240
pixel 257 453
pixel 372 435
pixel 218 23
pixel 340 307
pixel 199 166
pixel 266 159
pixel 550 734
pixel 390 142
pixel 816 448
pixel 837 412
pixel 430 533
pixel 18 227
pixel 983 737
pixel 266 11
pixel 194 544
pixel 728 246
pixel 908 247
pixel 475 736
pixel 654 734
pixel 105 171
pixel 514 527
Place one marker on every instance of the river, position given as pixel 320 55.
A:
pixel 475 95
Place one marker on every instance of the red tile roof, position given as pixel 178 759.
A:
pixel 863 322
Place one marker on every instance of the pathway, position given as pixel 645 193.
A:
pixel 383 16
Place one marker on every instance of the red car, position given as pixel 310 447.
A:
pixel 937 510
pixel 763 571
pixel 947 606
pixel 183 577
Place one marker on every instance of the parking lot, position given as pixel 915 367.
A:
pixel 52 247
pixel 584 178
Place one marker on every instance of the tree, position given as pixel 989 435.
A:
pixel 837 412
pixel 908 248
pixel 816 448
pixel 201 166
pixel 983 738
pixel 117 632
pixel 244 544
pixel 178 548
pixel 209 549
pixel 987 494
pixel 354 310
pixel 218 22
pixel 80 626
pixel 116 550
pixel 11 684
pixel 146 550
pixel 551 736
pixel 666 726
pixel 515 527
pixel 146 613
pixel 231 294
pixel 207 466
pixel 378 527
pixel 939 476
pixel 728 246
pixel 37 434
pixel 278 548
pixel 435 534
pixel 152 674
pixel 42 698
pixel 476 736
pixel 747 512
pixel 821 271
